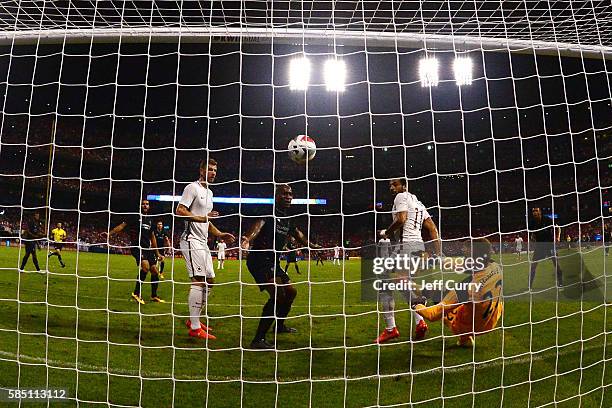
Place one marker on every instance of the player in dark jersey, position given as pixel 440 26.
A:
pixel 291 255
pixel 265 239
pixel 163 242
pixel 33 231
pixel 144 249
pixel 546 236
pixel 319 256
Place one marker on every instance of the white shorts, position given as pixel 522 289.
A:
pixel 198 259
pixel 519 249
pixel 409 248
pixel 221 255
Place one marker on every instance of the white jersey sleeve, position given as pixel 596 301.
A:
pixel 400 203
pixel 189 194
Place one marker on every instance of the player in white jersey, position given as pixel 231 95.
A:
pixel 384 245
pixel 196 208
pixel 410 217
pixel 221 246
pixel 336 255
pixel 518 246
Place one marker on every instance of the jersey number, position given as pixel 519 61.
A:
pixel 418 220
pixel 489 295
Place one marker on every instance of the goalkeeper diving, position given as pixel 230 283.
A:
pixel 473 311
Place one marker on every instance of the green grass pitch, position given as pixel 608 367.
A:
pixel 76 329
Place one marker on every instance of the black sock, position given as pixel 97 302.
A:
pixel 559 277
pixel 283 312
pixel 141 278
pixel 35 260
pixel 24 261
pixel 297 268
pixel 154 284
pixel 60 259
pixel 267 318
pixel 161 267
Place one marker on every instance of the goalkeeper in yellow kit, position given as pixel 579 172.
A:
pixel 477 309
pixel 58 236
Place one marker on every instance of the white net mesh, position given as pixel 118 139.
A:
pixel 104 103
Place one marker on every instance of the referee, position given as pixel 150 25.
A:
pixel 58 236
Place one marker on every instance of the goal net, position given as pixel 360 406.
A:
pixel 494 116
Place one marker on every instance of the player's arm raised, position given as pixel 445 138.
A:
pixel 115 230
pixel 299 235
pixel 251 234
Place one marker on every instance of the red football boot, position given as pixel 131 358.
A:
pixel 387 335
pixel 421 330
pixel 203 326
pixel 201 334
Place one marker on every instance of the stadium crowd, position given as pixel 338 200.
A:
pixel 100 182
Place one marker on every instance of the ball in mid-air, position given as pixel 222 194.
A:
pixel 302 148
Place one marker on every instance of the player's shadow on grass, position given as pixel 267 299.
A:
pixel 579 283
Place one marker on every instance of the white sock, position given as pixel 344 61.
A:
pixel 407 295
pixel 388 307
pixel 218 265
pixel 417 317
pixel 205 294
pixel 196 299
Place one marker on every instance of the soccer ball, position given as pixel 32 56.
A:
pixel 302 148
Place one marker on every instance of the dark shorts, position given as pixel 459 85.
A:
pixel 543 251
pixel 291 258
pixel 265 268
pixel 58 245
pixel 147 255
pixel 30 246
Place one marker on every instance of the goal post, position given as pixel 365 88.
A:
pixel 255 35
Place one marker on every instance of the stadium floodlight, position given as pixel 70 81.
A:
pixel 335 75
pixel 299 74
pixel 462 67
pixel 428 72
